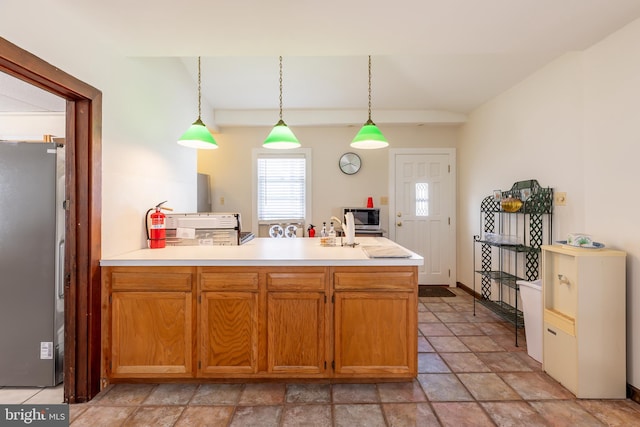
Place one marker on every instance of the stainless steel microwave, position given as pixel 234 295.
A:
pixel 365 218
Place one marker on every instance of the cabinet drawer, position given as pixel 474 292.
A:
pixel 151 279
pixel 231 281
pixel 296 281
pixel 393 280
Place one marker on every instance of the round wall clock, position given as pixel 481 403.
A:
pixel 350 163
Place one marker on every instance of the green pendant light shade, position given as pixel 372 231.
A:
pixel 281 137
pixel 198 136
pixel 369 136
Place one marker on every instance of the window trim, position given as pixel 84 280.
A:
pixel 264 152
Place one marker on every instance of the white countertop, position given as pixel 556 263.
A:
pixel 265 252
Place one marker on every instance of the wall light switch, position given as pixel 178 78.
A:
pixel 560 198
pixel 221 201
pixel 384 200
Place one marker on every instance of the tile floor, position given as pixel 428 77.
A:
pixel 470 374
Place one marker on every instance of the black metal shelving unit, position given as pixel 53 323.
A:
pixel 507 258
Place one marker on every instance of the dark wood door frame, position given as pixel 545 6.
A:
pixel 83 191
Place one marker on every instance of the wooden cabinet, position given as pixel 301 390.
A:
pixel 150 329
pixel 296 322
pixel 259 322
pixel 584 338
pixel 228 318
pixel 291 324
pixel 375 323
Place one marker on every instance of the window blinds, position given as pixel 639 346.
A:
pixel 281 187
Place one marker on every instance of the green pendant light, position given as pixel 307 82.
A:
pixel 369 136
pixel 198 136
pixel 281 137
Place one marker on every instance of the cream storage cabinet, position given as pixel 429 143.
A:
pixel 584 338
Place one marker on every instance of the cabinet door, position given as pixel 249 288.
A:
pixel 229 333
pixel 560 356
pixel 151 334
pixel 296 333
pixel 375 334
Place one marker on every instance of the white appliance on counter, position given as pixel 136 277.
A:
pixel 205 229
pixel 364 218
pixel 281 228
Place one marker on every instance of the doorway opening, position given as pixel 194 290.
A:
pixel 81 279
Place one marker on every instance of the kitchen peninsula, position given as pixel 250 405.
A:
pixel 268 309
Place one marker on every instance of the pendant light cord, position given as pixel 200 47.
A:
pixel 369 87
pixel 280 87
pixel 200 92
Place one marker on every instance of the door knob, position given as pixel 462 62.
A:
pixel 399 214
pixel 399 224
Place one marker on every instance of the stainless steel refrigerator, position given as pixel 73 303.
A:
pixel 31 263
pixel 204 193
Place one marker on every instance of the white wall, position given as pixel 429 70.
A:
pixel 151 106
pixel 573 126
pixel 147 104
pixel 31 126
pixel 231 173
pixel 612 141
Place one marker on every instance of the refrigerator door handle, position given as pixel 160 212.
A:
pixel 60 281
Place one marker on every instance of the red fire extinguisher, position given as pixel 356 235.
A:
pixel 156 231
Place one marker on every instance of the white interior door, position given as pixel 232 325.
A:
pixel 421 210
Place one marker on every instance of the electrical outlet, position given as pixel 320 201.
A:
pixel 384 200
pixel 560 198
pixel 221 201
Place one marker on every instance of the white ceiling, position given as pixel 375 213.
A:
pixel 17 96
pixel 429 56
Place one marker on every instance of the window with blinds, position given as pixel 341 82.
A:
pixel 281 186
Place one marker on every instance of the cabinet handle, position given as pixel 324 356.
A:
pixel 61 275
pixel 551 331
